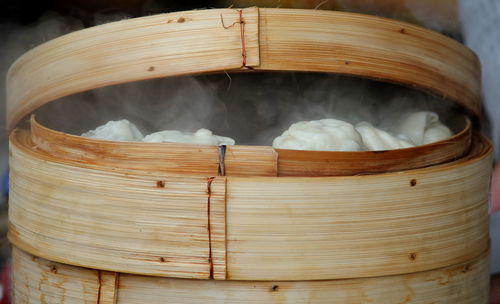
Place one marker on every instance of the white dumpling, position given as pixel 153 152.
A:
pixel 320 135
pixel 375 139
pixel 200 137
pixel 423 128
pixel 436 133
pixel 120 130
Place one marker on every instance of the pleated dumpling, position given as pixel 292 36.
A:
pixel 423 128
pixel 119 130
pixel 320 135
pixel 375 139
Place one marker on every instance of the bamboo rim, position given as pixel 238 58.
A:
pixel 221 40
pixel 238 225
pixel 245 160
pixel 39 280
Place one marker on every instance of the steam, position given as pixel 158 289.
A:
pixel 16 40
pixel 255 109
pixel 441 16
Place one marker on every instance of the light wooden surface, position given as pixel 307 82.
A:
pixel 160 158
pixel 149 224
pixel 108 286
pixel 463 283
pixel 261 39
pixel 261 228
pixel 371 47
pixel 171 158
pixel 358 226
pixel 36 280
pixel 250 161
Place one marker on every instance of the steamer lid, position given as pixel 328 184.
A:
pixel 219 40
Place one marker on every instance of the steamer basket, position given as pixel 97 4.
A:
pixel 143 221
pixel 354 226
pixel 38 280
pixel 239 160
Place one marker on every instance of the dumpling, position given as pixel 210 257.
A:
pixel 320 135
pixel 423 128
pixel 375 139
pixel 200 137
pixel 120 130
pixel 436 133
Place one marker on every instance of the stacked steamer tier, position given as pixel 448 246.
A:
pixel 121 222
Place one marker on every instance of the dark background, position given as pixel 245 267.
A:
pixel 25 12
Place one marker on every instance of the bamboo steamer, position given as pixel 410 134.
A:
pixel 257 224
pixel 113 222
pixel 36 280
pixel 238 40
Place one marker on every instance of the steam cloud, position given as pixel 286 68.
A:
pixel 255 109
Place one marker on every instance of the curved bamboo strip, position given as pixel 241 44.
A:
pixel 244 160
pixel 39 280
pixel 129 156
pixel 250 228
pixel 36 280
pixel 161 158
pixel 229 39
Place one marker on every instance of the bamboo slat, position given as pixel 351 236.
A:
pixel 36 280
pixel 358 226
pixel 108 287
pixel 217 228
pixel 186 159
pixel 463 283
pixel 146 224
pixel 244 160
pixel 138 157
pixel 248 228
pixel 372 47
pixel 250 161
pixel 225 40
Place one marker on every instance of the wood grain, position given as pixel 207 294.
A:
pixel 159 158
pixel 108 289
pixel 217 223
pixel 261 228
pixel 171 158
pixel 373 47
pixel 147 224
pixel 315 228
pixel 36 280
pixel 206 41
pixel 250 161
pixel 462 283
